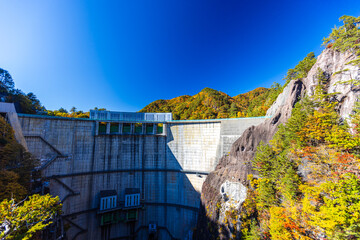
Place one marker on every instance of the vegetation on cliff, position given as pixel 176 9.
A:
pixel 301 69
pixel 345 37
pixel 308 181
pixel 211 104
pixel 308 184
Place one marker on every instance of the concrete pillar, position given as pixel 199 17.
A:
pixel 107 128
pixel 154 128
pixel 120 128
pixel 143 128
pixel 96 128
pixel 164 129
pixel 132 128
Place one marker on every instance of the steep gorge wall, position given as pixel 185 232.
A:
pixel 234 168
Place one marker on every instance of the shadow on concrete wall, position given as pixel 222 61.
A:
pixel 175 210
pixel 207 228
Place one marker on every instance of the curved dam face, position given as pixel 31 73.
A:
pixel 129 179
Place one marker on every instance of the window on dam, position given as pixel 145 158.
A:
pixel 132 197
pixel 107 199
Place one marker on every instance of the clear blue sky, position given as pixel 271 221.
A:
pixel 124 54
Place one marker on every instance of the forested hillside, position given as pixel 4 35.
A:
pixel 29 103
pixel 207 104
pixel 211 104
pixel 24 103
pixel 23 214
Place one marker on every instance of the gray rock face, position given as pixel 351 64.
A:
pixel 233 193
pixel 280 101
pixel 331 62
pixel 237 165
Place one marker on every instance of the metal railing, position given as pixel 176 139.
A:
pixel 130 116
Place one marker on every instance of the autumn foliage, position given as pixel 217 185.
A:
pixel 19 218
pixel 211 104
pixel 309 176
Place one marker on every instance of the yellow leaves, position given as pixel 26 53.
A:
pixel 318 125
pixel 333 206
pixel 326 199
pixel 281 227
pixel 341 138
pixel 287 222
pixel 25 219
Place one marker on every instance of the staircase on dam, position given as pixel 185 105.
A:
pixel 129 175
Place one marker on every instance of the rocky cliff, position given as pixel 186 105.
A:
pixel 228 183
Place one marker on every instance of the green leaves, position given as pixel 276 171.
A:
pixel 211 104
pixel 301 70
pixel 335 207
pixel 308 178
pixel 22 220
pixel 16 165
pixel 346 37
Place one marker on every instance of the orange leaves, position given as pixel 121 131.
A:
pixel 210 104
pixel 318 126
pixel 328 163
pixel 329 45
pixel 283 223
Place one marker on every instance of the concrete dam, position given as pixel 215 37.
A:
pixel 129 175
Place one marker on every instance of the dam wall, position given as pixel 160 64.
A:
pixel 166 162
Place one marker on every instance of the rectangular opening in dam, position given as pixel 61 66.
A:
pixel 102 128
pixel 126 128
pixel 138 128
pixel 159 128
pixel 114 128
pixel 149 128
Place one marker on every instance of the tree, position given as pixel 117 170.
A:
pixel 301 69
pixel 36 105
pixel 6 82
pixel 345 37
pixel 73 110
pixel 22 220
pixel 62 110
pixel 16 165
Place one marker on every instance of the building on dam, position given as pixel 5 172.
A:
pixel 126 175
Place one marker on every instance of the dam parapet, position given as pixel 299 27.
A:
pixel 88 161
pixel 129 116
